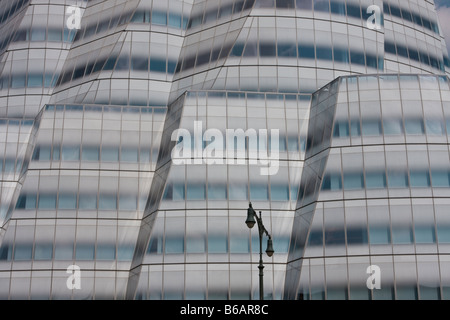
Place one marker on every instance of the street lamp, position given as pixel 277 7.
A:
pixel 251 216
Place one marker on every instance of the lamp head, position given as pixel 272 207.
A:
pixel 269 249
pixel 250 216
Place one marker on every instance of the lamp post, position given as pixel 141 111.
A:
pixel 251 216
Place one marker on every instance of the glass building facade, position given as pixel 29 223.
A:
pixel 136 132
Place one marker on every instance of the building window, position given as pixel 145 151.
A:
pixel 67 201
pixel 353 181
pixel 332 182
pixel 419 179
pixel 397 179
pixel 47 201
pixel 375 180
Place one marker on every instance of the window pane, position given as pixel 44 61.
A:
pixel 259 192
pixel 315 238
pixel 288 4
pixel 123 63
pixel 371 128
pixel 392 127
pixel 139 63
pixel 90 154
pixel 129 155
pixel 287 50
pixel 110 63
pixel 324 53
pixel 174 244
pixel 106 252
pixel 70 153
pixel 239 244
pixel 353 181
pixel 267 50
pixel 238 5
pixel 158 65
pixel 175 20
pixel 357 58
pixel 419 179
pixel 69 35
pixel 402 51
pixel 375 180
pixel 18 81
pixel 21 35
pixel 225 11
pixel 217 244
pixel 107 202
pixel 338 8
pixel 406 14
pixel 379 235
pixel 341 129
pixel 47 201
pixel 414 126
pixel 429 293
pixel 110 154
pixel 443 233
pixel 26 201
pixel 334 237
pixel 435 127
pixel 353 11
pixel 43 251
pixel 87 202
pixel 217 192
pixel 138 17
pixel 304 4
pixel 293 144
pixel 178 192
pixel 67 201
pixel 195 245
pixel 306 51
pixel 397 179
pixel 35 81
pixel 195 192
pixel 332 182
pixel 63 252
pixel 413 54
pixel 279 192
pixel 155 245
pixel 357 236
pixel 321 5
pixel 440 178
pixel 405 292
pixel 402 235
pixel 85 252
pixel 424 234
pixel 56 153
pixel 127 202
pixel 237 50
pixel 159 18
pixel 37 34
pixel 23 251
pixel 341 55
pixel 238 192
pixel 6 251
pixel 355 128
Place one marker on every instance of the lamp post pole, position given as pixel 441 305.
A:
pixel 251 216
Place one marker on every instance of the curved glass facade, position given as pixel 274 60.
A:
pixel 135 133
pixel 373 191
